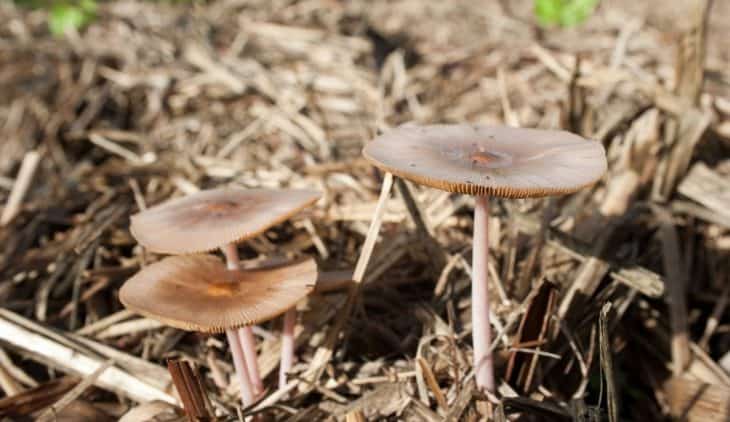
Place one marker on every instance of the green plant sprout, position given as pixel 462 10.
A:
pixel 563 12
pixel 66 16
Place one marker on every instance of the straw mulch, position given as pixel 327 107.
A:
pixel 609 303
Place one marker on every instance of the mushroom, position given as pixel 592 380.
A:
pixel 199 293
pixel 220 218
pixel 485 161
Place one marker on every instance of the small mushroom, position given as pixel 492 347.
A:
pixel 220 218
pixel 199 293
pixel 488 161
pixel 212 219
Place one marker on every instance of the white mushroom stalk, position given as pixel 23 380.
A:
pixel 287 345
pixel 481 328
pixel 248 370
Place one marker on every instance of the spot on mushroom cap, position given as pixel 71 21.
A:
pixel 489 160
pixel 213 218
pixel 198 293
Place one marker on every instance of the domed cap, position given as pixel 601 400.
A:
pixel 213 218
pixel 198 293
pixel 489 160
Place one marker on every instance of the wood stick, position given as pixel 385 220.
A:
pixel 676 287
pixel 67 359
pixel 324 353
pixel 190 389
pixel 20 187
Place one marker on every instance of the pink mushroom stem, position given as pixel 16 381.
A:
pixel 245 337
pixel 287 345
pixel 241 370
pixel 248 344
pixel 481 328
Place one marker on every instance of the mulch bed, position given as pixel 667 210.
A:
pixel 611 302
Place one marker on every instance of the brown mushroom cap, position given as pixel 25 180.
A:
pixel 198 293
pixel 213 218
pixel 489 160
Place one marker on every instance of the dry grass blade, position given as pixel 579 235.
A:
pixel 433 385
pixel 676 284
pixel 707 187
pixel 57 407
pixel 373 230
pixel 543 409
pixel 20 187
pixel 425 235
pixel 532 332
pixel 323 354
pixel 714 320
pixel 463 400
pixel 691 52
pixel 8 384
pixel 690 129
pixel 604 346
pixel 36 398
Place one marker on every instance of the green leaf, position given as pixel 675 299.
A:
pixel 577 11
pixel 563 12
pixel 548 11
pixel 63 17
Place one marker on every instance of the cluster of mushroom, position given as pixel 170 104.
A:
pixel 195 291
pixel 199 292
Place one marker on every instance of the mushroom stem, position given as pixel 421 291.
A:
pixel 245 334
pixel 248 344
pixel 481 328
pixel 287 345
pixel 241 370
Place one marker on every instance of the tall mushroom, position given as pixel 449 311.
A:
pixel 485 161
pixel 200 293
pixel 220 218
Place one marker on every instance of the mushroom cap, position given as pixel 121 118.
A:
pixel 198 293
pixel 213 218
pixel 489 160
